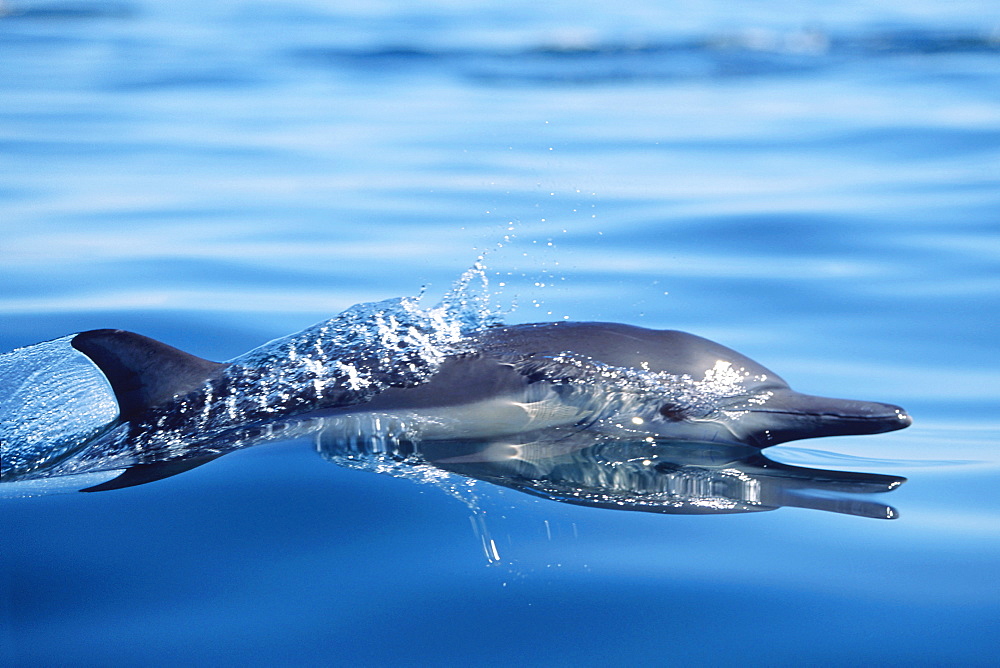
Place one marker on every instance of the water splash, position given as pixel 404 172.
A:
pixel 53 400
pixel 363 350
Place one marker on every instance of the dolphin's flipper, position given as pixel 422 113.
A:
pixel 140 474
pixel 143 372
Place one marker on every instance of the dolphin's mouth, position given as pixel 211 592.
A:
pixel 791 416
pixel 898 419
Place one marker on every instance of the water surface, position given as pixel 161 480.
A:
pixel 814 185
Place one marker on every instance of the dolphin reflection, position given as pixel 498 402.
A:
pixel 650 475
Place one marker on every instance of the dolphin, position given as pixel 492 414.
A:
pixel 623 378
pixel 176 410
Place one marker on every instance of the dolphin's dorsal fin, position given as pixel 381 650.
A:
pixel 142 371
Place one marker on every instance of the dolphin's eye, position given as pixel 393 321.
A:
pixel 672 412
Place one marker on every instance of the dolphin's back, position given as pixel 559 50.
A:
pixel 620 345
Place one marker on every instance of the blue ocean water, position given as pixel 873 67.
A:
pixel 813 184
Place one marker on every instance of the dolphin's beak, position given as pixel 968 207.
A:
pixel 789 415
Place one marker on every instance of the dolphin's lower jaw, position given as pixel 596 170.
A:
pixel 792 416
